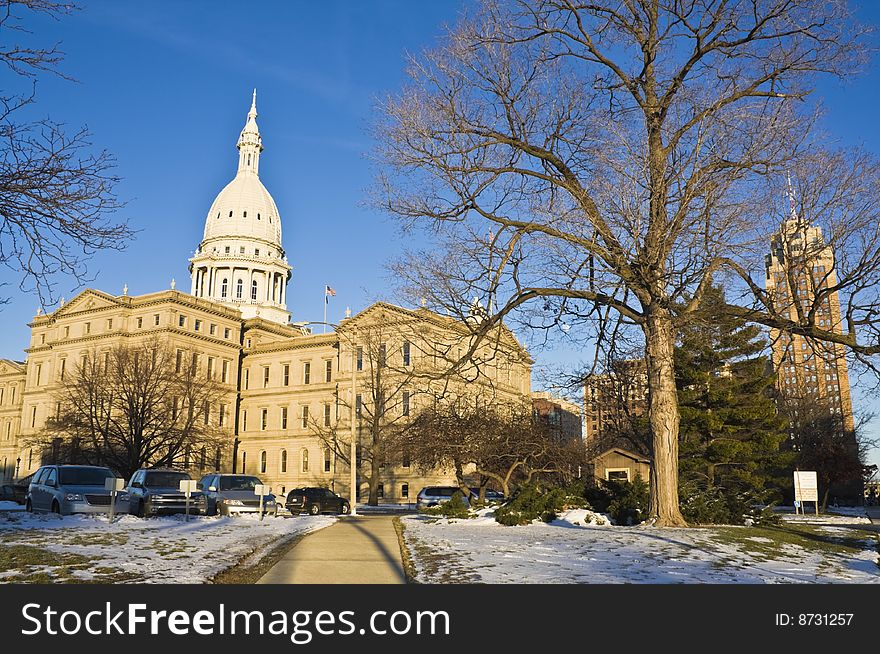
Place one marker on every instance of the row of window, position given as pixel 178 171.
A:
pixel 282 461
pixel 8 395
pixel 305 417
pixel 183 320
pixel 285 374
pixel 244 213
pixel 211 367
pixel 140 321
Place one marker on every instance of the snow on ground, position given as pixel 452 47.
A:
pixel 858 511
pixel 11 506
pixel 157 550
pixel 481 550
pixel 826 519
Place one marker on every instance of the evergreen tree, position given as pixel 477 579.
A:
pixel 731 432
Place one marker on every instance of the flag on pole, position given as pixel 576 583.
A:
pixel 327 293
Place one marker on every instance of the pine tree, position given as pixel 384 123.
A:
pixel 730 433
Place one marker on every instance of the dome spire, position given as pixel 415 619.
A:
pixel 250 144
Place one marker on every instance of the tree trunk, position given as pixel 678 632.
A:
pixel 663 417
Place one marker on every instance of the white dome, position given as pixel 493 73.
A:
pixel 244 209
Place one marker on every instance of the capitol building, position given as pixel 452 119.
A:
pixel 285 387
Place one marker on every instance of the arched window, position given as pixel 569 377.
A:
pixel 258 215
pixel 263 462
pixel 283 461
pixel 305 460
pixel 238 289
pixel 224 288
pixel 254 290
pixel 245 214
pixel 230 214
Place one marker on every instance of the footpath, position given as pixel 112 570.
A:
pixel 355 550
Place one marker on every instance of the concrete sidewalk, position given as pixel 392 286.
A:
pixel 355 550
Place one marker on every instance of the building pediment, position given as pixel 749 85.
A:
pixel 88 300
pixel 383 313
pixel 8 367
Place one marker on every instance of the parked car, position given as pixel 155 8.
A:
pixel 228 494
pixel 434 495
pixel 7 493
pixel 20 488
pixel 315 500
pixel 156 491
pixel 66 489
pixel 491 495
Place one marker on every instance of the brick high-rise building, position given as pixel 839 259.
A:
pixel 812 376
pixel 613 399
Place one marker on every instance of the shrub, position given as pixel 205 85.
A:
pixel 532 502
pixel 626 502
pixel 629 501
pixel 718 505
pixel 456 507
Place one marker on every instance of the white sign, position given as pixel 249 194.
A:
pixel 187 486
pixel 114 484
pixel 806 486
pixel 261 489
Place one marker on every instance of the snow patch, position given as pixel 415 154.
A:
pixel 166 549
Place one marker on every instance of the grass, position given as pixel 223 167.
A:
pixel 773 543
pixel 409 568
pixel 37 565
pixel 244 573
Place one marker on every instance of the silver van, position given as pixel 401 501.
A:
pixel 434 495
pixel 67 489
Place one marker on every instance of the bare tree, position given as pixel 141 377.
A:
pixel 137 405
pixel 384 395
pixel 498 441
pixel 56 192
pixel 594 166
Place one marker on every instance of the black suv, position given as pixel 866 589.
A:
pixel 316 500
pixel 157 491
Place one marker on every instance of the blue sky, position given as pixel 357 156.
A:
pixel 165 86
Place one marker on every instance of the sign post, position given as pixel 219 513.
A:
pixel 187 486
pixel 806 489
pixel 114 485
pixel 262 490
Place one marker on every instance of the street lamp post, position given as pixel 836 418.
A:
pixel 353 453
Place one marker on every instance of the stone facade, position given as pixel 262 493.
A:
pixel 289 389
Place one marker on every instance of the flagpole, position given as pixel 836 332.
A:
pixel 326 300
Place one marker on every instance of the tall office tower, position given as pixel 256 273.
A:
pixel 812 376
